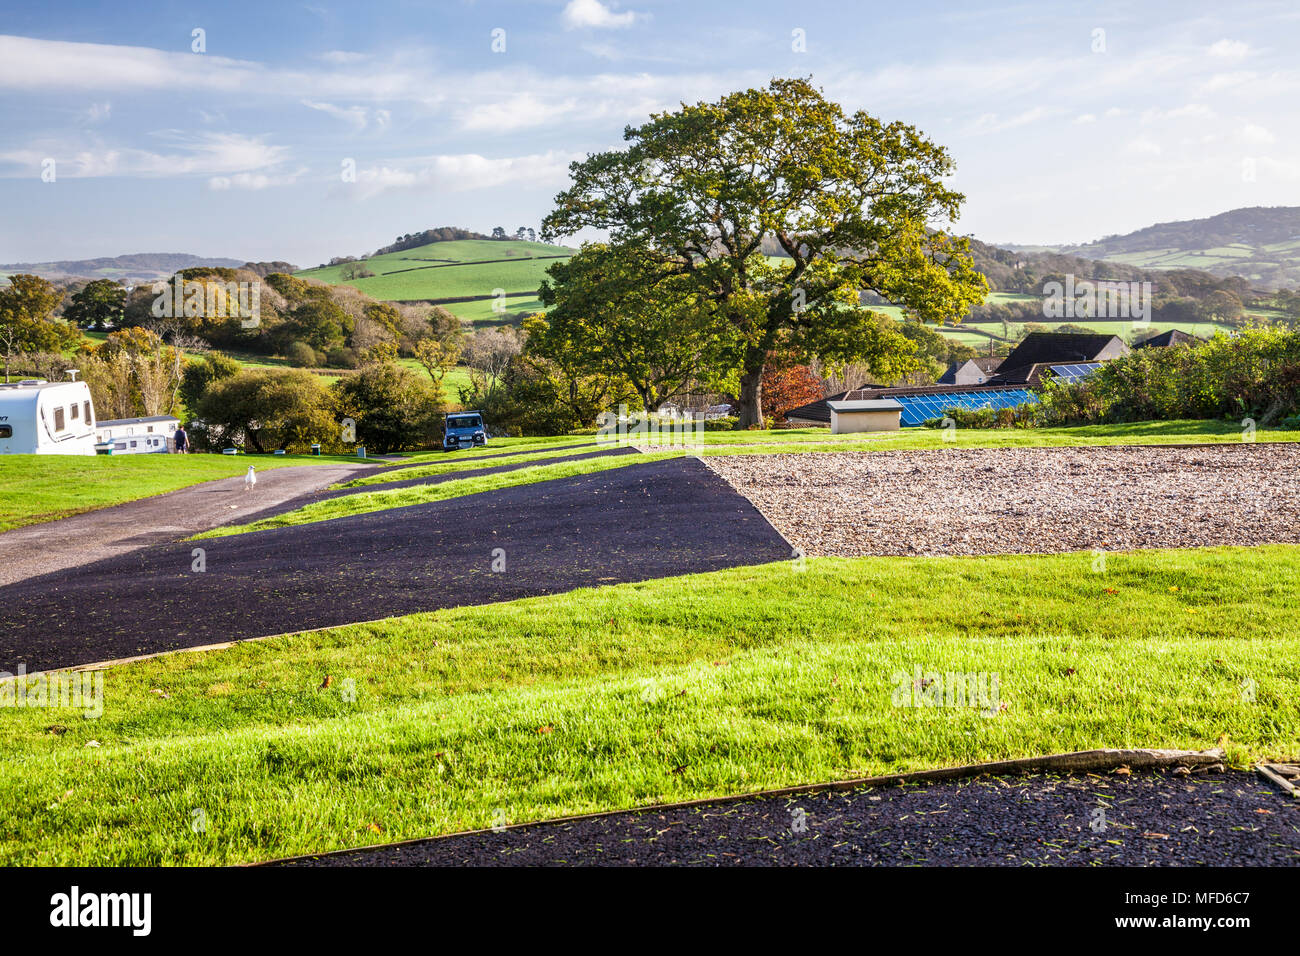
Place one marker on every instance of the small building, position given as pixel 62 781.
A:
pixel 864 415
pixel 46 418
pixel 137 436
pixel 1168 339
pixel 974 371
pixel 1040 350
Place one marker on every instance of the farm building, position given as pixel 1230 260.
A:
pixel 1168 339
pixel 46 418
pixel 974 371
pixel 137 436
pixel 864 415
pixel 1039 351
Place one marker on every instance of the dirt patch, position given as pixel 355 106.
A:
pixel 1024 500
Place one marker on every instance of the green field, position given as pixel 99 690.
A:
pixel 455 269
pixel 662 691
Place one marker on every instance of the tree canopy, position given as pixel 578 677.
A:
pixel 852 203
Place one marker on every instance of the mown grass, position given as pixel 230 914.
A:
pixel 667 690
pixel 364 502
pixel 452 463
pixel 37 488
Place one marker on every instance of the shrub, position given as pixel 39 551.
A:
pixel 267 409
pixel 394 408
pixel 301 354
pixel 1254 373
pixel 342 358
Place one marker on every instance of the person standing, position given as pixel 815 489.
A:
pixel 182 440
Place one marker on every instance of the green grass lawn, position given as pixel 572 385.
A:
pixel 36 488
pixel 667 690
pixel 452 462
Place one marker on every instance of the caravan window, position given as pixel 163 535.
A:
pixel 6 431
pixel 58 419
pixel 89 416
pixel 74 410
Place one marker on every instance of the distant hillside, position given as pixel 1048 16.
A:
pixel 138 267
pixel 460 274
pixel 1261 244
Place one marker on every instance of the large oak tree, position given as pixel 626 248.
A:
pixel 853 204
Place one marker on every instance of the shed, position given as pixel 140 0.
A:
pixel 865 415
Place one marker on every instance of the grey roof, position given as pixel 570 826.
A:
pixel 1167 339
pixel 137 421
pixel 1054 348
pixel 866 405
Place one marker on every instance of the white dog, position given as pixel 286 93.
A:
pixel 250 479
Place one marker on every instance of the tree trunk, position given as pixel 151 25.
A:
pixel 751 395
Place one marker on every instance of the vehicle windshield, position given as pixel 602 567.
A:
pixel 464 421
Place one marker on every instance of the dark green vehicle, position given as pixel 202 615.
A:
pixel 463 430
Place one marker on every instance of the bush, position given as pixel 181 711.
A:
pixel 1022 416
pixel 342 358
pixel 394 409
pixel 267 409
pixel 301 354
pixel 1252 374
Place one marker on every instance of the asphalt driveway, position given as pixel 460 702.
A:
pixel 641 521
pixel 1141 819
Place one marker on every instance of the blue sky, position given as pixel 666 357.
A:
pixel 1061 133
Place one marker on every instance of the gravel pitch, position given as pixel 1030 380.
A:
pixel 646 520
pixel 1143 819
pixel 1024 500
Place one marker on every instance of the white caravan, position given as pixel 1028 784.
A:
pixel 46 418
pixel 137 436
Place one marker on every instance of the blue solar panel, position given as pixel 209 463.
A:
pixel 918 409
pixel 1072 373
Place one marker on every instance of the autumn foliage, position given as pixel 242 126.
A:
pixel 787 388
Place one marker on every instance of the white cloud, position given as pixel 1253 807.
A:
pixel 1144 146
pixel 1257 135
pixel 465 171
pixel 205 154
pixel 518 112
pixel 98 112
pixel 255 181
pixel 1229 48
pixel 354 116
pixel 594 14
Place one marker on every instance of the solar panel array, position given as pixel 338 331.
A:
pixel 920 408
pixel 1072 373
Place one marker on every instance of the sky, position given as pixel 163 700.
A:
pixel 301 131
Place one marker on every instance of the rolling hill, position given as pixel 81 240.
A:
pixel 137 267
pixel 1260 243
pixel 462 275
